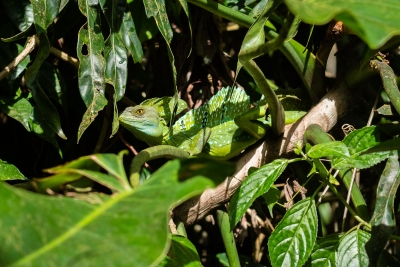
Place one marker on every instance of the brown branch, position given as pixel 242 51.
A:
pixel 27 50
pixel 64 56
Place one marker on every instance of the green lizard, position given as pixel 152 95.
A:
pixel 220 129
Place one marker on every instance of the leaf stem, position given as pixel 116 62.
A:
pixel 227 237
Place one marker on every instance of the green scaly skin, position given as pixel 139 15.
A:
pixel 216 130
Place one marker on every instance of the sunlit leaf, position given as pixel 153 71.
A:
pixel 254 186
pixel 182 253
pixel 293 239
pixel 351 251
pixel 10 172
pixel 374 21
pixel 334 148
pixel 128 229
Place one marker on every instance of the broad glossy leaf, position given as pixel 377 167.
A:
pixel 19 109
pixel 374 21
pixel 20 12
pixel 128 229
pixel 351 251
pixel 324 252
pixel 182 253
pixel 10 172
pixel 41 128
pixel 293 239
pixel 44 13
pixel 254 186
pixel 357 142
pixel 156 9
pixel 334 148
pixel 383 219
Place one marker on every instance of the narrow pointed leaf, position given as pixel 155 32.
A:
pixel 351 251
pixel 156 9
pixel 383 219
pixel 293 239
pixel 254 186
pixel 129 229
pixel 334 148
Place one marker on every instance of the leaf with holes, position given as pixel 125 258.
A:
pixel 357 142
pixel 334 148
pixel 351 251
pixel 255 185
pixel 382 222
pixel 374 21
pixel 293 239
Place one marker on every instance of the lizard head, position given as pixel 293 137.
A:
pixel 144 122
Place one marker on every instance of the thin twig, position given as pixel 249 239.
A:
pixel 64 56
pixel 27 50
pixel 348 197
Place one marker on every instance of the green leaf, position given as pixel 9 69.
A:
pixel 182 253
pixel 254 186
pixel 41 128
pixel 293 239
pixel 392 144
pixel 129 229
pixel 351 251
pixel 357 142
pixel 334 148
pixel 385 110
pixel 156 9
pixel 383 222
pixel 374 21
pixel 10 172
pixel 146 28
pixel 91 71
pixel 271 197
pixel 20 12
pixel 324 251
pixel 19 109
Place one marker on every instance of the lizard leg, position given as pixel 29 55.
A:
pixel 250 124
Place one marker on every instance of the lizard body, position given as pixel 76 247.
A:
pixel 219 129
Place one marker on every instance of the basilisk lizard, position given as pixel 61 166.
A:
pixel 220 129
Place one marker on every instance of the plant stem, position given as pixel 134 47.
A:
pixel 227 237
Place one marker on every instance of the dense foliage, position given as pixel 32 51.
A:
pixel 299 197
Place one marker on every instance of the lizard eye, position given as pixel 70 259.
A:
pixel 139 111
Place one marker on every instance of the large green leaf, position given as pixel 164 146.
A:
pixel 92 64
pixel 128 229
pixel 351 251
pixel 182 253
pixel 256 184
pixel 20 12
pixel 293 239
pixel 156 9
pixel 19 109
pixel 383 220
pixel 357 142
pixel 374 21
pixel 10 172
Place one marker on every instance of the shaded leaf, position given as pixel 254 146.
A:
pixel 20 12
pixel 128 229
pixel 182 253
pixel 10 172
pixel 324 251
pixel 293 239
pixel 351 251
pixel 334 148
pixel 374 21
pixel 271 197
pixel 156 9
pixel 383 218
pixel 254 186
